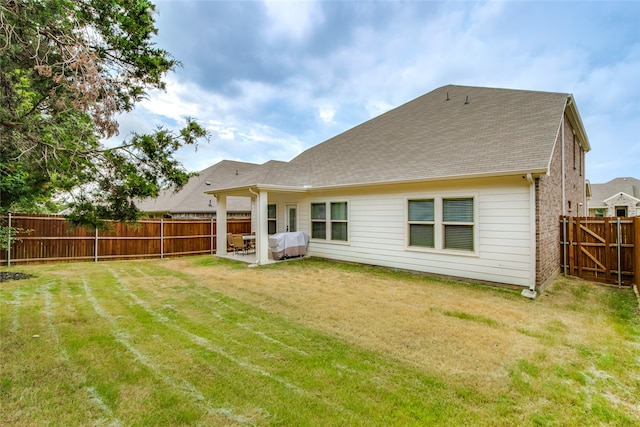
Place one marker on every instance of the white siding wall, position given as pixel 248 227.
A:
pixel 378 229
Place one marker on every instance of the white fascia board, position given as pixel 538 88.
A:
pixel 578 126
pixel 310 188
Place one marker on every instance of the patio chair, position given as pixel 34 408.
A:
pixel 230 245
pixel 239 244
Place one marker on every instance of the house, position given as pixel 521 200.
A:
pixel 463 181
pixel 192 202
pixel 618 197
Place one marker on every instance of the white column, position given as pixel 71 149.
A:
pixel 221 225
pixel 262 236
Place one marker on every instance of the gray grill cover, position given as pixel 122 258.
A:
pixel 287 245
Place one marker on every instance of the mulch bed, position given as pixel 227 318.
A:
pixel 6 276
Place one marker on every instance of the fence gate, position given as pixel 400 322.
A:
pixel 601 249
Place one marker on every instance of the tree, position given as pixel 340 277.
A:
pixel 67 69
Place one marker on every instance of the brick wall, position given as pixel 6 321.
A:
pixel 549 203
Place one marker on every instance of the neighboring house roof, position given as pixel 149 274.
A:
pixel 600 193
pixel 192 198
pixel 451 132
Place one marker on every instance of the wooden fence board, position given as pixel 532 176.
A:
pixel 602 249
pixel 54 239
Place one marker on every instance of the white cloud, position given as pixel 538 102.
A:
pixel 322 67
pixel 326 113
pixel 292 20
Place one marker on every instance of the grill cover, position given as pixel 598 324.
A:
pixel 288 245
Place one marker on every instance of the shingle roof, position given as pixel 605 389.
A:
pixel 453 131
pixel 601 192
pixel 192 198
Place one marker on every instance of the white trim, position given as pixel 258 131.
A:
pixel 328 221
pixel 287 210
pixel 439 223
pixel 532 231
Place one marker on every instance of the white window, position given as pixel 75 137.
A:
pixel 421 223
pixel 333 226
pixel 318 221
pixel 458 223
pixel 272 225
pixel 441 223
pixel 339 221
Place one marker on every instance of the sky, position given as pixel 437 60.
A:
pixel 269 79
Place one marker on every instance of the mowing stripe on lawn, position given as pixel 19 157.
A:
pixel 93 394
pixel 271 340
pixel 207 297
pixel 220 316
pixel 15 313
pixel 186 387
pixel 202 341
pixel 207 344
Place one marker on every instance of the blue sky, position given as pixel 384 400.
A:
pixel 270 79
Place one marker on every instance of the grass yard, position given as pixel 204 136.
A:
pixel 206 341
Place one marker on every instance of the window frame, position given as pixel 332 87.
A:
pixel 272 220
pixel 411 222
pixel 440 224
pixel 458 225
pixel 318 220
pixel 344 221
pixel 329 220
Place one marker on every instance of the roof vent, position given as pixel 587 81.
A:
pixel 447 97
pixel 236 171
pixel 466 100
pixel 207 182
pixel 210 203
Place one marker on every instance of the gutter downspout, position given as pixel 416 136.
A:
pixel 531 292
pixel 564 196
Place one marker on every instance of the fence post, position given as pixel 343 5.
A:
pixel 161 238
pixel 95 247
pixel 211 231
pixel 9 243
pixel 636 252
pixel 619 243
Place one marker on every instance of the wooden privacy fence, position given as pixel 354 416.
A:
pixel 53 239
pixel 601 249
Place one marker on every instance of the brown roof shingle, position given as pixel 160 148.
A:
pixel 453 131
pixel 602 192
pixel 192 198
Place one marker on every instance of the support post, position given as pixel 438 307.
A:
pixel 221 224
pixel 262 227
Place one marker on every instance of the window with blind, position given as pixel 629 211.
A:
pixel 458 223
pixel 318 221
pixel 421 223
pixel 329 221
pixel 339 221
pixel 272 225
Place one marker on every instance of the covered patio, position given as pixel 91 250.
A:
pixel 261 254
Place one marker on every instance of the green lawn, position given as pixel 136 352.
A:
pixel 161 342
